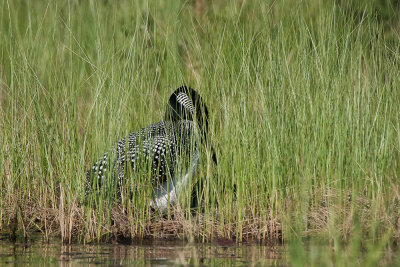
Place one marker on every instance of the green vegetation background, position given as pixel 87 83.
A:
pixel 304 99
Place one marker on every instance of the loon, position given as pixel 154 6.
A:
pixel 169 152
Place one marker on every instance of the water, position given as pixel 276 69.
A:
pixel 156 253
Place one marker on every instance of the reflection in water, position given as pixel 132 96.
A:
pixel 146 253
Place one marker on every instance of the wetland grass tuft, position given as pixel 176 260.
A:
pixel 304 102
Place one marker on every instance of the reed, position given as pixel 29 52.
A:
pixel 304 100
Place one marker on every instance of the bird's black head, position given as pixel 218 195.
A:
pixel 186 104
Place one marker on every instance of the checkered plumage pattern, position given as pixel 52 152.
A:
pixel 169 148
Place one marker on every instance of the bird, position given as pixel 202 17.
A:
pixel 168 151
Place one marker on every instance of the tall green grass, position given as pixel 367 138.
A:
pixel 304 99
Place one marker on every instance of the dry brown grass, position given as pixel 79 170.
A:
pixel 74 224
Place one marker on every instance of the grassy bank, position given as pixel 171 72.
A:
pixel 304 99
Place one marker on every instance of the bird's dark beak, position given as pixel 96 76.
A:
pixel 214 156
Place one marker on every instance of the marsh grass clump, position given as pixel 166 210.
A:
pixel 303 97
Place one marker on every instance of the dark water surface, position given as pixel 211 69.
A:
pixel 155 253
